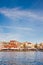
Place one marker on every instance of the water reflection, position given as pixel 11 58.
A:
pixel 21 58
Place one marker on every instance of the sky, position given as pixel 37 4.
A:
pixel 21 20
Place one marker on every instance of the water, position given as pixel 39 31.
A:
pixel 21 58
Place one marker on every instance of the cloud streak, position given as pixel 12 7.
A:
pixel 16 13
pixel 18 35
pixel 16 28
pixel 21 30
pixel 9 36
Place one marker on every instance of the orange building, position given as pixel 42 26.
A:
pixel 12 44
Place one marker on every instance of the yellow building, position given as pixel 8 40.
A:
pixel 28 45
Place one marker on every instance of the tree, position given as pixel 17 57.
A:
pixel 36 45
pixel 24 45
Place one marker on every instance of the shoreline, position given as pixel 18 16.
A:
pixel 19 50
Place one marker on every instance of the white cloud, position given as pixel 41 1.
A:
pixel 24 28
pixel 9 36
pixel 12 35
pixel 16 28
pixel 16 13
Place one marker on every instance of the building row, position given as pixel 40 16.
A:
pixel 13 44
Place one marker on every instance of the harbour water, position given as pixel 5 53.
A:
pixel 21 58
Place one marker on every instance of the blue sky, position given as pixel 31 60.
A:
pixel 21 20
